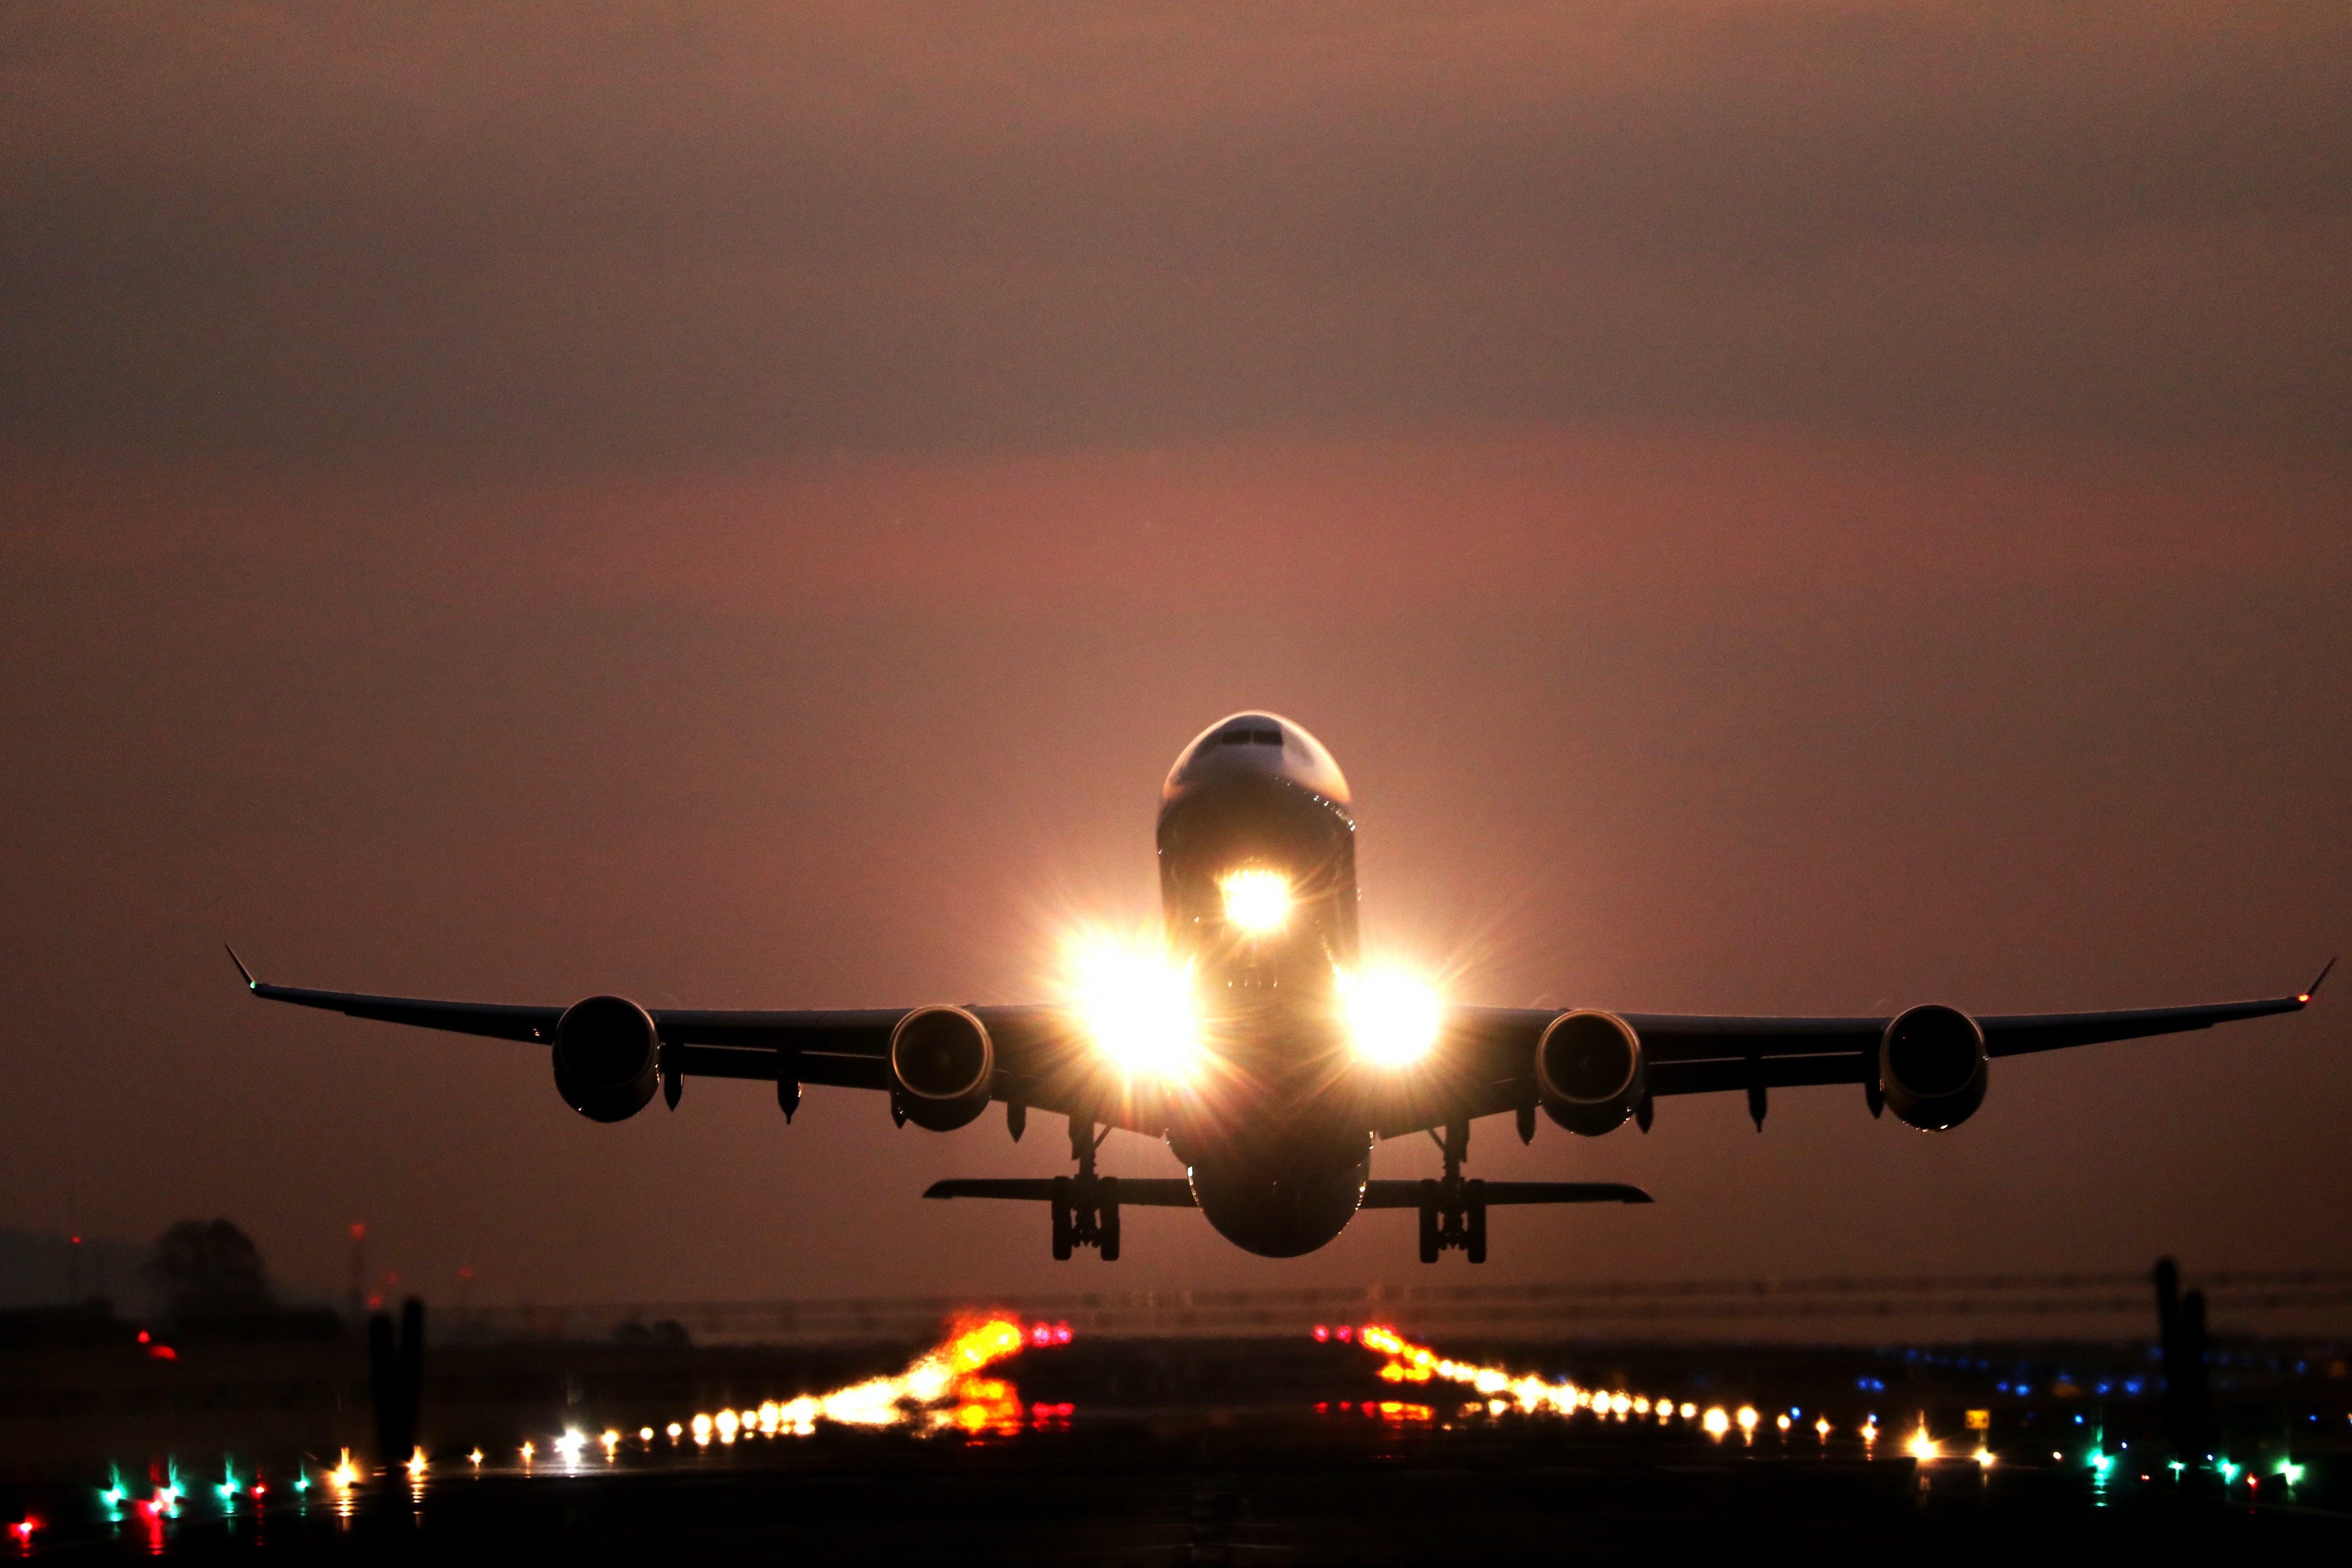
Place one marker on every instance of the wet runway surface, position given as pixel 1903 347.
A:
pixel 1008 1442
pixel 1223 1485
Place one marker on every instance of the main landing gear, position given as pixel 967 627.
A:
pixel 1453 1211
pixel 1086 1206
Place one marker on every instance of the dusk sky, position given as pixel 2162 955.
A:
pixel 1776 507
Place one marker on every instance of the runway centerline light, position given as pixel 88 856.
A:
pixel 1257 900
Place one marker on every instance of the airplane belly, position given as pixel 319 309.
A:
pixel 1279 1211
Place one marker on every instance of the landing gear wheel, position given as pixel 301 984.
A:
pixel 1431 1242
pixel 1107 1228
pixel 1061 1207
pixel 1474 1240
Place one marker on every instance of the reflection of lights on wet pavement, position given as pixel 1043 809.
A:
pixel 1410 1363
pixel 940 1390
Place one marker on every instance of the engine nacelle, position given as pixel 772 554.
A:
pixel 607 1058
pixel 1589 1072
pixel 941 1065
pixel 1932 1067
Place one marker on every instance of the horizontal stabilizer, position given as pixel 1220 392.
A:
pixel 1133 1192
pixel 1407 1194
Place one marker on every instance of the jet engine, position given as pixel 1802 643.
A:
pixel 607 1058
pixel 1932 1067
pixel 941 1064
pixel 1588 1071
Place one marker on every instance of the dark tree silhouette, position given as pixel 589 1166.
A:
pixel 208 1271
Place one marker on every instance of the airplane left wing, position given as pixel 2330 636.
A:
pixel 1037 1060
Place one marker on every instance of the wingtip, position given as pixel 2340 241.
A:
pixel 243 973
pixel 2313 989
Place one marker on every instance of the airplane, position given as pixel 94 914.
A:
pixel 1254 1043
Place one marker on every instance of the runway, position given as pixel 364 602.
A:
pixel 1302 1449
pixel 1271 1487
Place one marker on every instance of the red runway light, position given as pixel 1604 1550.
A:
pixel 1322 1334
pixel 162 1353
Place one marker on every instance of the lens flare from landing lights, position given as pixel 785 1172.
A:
pixel 1257 900
pixel 1136 1004
pixel 939 1390
pixel 1393 1018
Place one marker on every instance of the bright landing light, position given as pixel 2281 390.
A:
pixel 1137 1007
pixel 1257 901
pixel 1393 1018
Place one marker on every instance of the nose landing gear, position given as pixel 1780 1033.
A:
pixel 1453 1211
pixel 1086 1206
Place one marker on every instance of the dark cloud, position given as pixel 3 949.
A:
pixel 519 235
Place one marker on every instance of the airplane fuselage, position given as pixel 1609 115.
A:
pixel 1257 881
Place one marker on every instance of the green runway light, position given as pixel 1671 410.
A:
pixel 2229 1471
pixel 2290 1472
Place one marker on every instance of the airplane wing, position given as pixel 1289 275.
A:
pixel 1484 1063
pixel 1175 1192
pixel 1039 1060
pixel 1482 1066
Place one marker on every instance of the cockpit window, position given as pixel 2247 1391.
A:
pixel 1251 736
